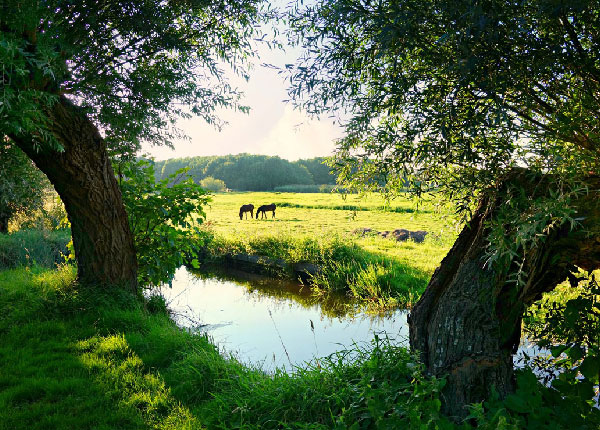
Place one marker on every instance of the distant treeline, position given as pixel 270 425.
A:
pixel 246 172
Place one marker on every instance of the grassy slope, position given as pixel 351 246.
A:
pixel 74 358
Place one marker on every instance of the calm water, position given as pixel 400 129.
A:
pixel 271 322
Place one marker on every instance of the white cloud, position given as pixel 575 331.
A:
pixel 296 136
pixel 271 128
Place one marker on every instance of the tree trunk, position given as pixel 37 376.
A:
pixel 83 177
pixel 467 324
pixel 4 223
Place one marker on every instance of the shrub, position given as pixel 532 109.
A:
pixel 164 220
pixel 211 184
pixel 33 247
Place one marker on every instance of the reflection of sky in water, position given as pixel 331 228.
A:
pixel 257 322
pixel 260 328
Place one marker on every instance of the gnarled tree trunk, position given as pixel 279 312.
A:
pixel 83 177
pixel 467 324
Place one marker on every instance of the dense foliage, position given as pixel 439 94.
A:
pixel 90 79
pixel 125 63
pixel 568 325
pixel 164 220
pixel 452 93
pixel 22 185
pixel 246 172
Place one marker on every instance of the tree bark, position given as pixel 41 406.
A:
pixel 4 223
pixel 83 177
pixel 467 324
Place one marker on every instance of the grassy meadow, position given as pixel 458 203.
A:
pixel 319 228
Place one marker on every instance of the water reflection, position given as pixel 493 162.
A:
pixel 273 322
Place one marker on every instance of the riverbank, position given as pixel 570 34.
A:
pixel 71 354
pixel 73 357
pixel 332 264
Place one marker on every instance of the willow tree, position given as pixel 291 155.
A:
pixel 488 101
pixel 82 79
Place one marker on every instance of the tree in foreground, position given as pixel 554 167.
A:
pixel 80 80
pixel 22 186
pixel 491 101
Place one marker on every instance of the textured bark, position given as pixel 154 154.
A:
pixel 467 324
pixel 83 177
pixel 4 223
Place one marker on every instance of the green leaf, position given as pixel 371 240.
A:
pixel 590 368
pixel 515 403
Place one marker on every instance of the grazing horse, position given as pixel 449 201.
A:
pixel 264 209
pixel 247 208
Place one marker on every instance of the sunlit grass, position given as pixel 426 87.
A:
pixel 59 367
pixel 77 358
pixel 319 228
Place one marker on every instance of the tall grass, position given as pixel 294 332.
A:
pixel 33 247
pixel 345 265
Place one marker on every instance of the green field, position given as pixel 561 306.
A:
pixel 309 227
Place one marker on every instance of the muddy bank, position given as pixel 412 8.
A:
pixel 264 265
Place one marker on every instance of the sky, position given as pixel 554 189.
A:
pixel 272 127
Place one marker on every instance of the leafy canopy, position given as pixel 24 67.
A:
pixel 135 66
pixel 452 93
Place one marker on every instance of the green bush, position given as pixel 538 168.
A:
pixel 211 184
pixel 164 218
pixel 51 216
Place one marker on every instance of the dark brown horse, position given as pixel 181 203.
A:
pixel 247 208
pixel 264 209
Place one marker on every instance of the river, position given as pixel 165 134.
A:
pixel 274 323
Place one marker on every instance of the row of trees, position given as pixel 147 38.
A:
pixel 246 172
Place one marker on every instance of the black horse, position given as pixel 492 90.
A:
pixel 264 209
pixel 247 208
